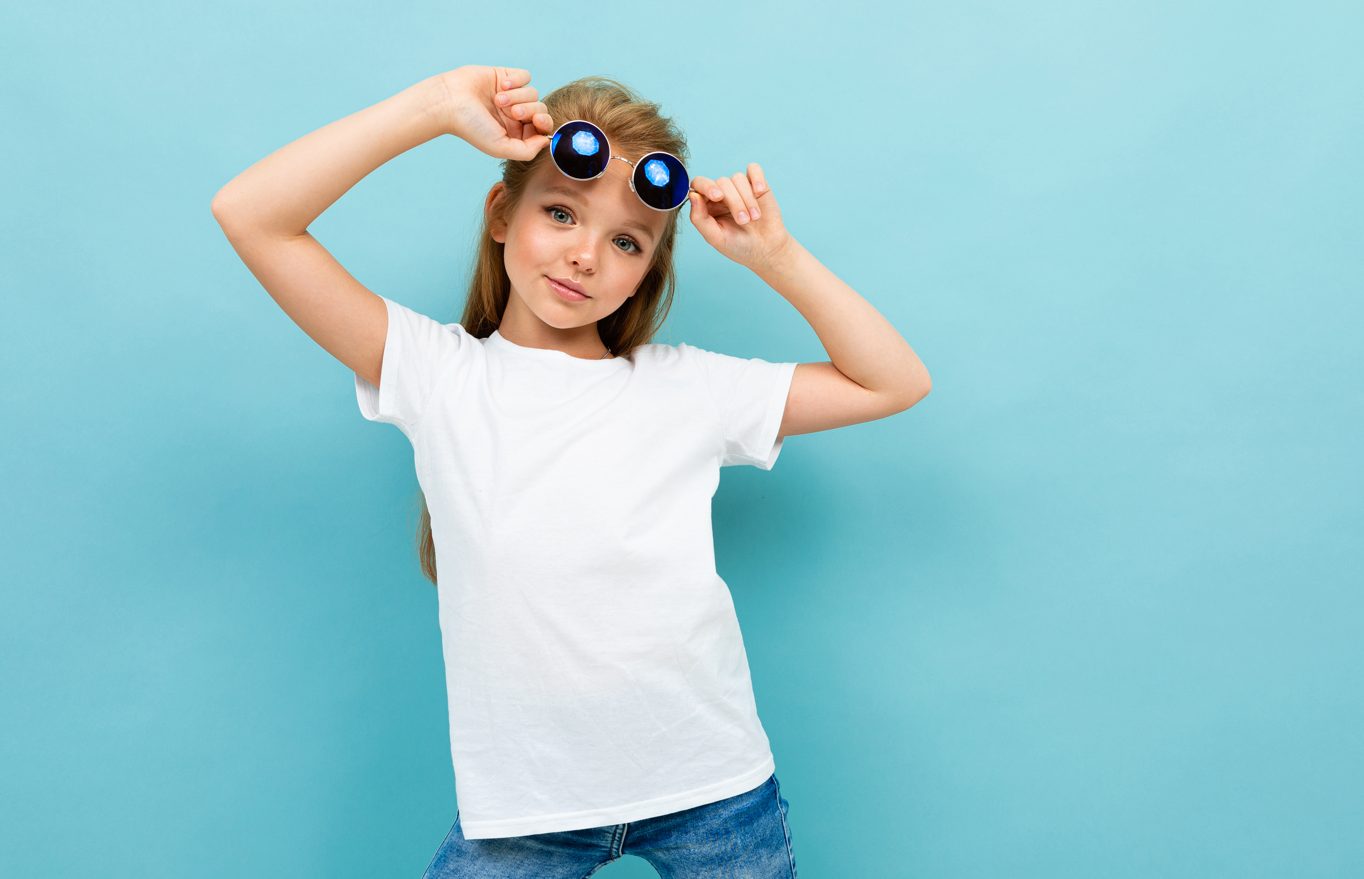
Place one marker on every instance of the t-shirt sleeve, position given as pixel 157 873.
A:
pixel 749 399
pixel 418 352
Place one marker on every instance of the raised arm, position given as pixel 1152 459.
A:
pixel 872 372
pixel 265 212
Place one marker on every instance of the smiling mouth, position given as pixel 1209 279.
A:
pixel 565 290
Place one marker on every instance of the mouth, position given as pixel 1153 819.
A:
pixel 567 289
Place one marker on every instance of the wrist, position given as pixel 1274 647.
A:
pixel 430 102
pixel 781 260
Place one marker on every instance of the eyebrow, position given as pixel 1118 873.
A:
pixel 562 189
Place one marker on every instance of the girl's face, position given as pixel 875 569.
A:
pixel 596 233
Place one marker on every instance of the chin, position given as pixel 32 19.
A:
pixel 553 314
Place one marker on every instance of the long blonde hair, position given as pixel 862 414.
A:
pixel 634 126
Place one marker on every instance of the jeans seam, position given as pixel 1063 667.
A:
pixel 598 867
pixel 440 848
pixel 611 849
pixel 786 831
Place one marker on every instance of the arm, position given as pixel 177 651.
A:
pixel 863 344
pixel 265 212
pixel 284 192
pixel 873 371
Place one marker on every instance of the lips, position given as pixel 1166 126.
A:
pixel 566 283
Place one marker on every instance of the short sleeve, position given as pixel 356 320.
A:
pixel 749 397
pixel 418 351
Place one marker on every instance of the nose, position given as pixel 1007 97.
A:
pixel 584 257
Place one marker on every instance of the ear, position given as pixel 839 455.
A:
pixel 497 228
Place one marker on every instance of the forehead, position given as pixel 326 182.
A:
pixel 609 194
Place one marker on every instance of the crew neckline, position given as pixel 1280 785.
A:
pixel 553 355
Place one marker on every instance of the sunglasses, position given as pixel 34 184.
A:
pixel 580 150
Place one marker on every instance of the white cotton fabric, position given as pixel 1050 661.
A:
pixel 595 669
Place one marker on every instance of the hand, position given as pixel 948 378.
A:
pixel 494 109
pixel 749 241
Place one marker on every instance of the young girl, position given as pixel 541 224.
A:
pixel 598 687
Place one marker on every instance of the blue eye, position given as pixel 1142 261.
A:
pixel 553 209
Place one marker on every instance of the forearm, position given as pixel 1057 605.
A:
pixel 285 191
pixel 861 343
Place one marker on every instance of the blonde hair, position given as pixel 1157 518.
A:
pixel 634 126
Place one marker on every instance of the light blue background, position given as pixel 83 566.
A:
pixel 1091 609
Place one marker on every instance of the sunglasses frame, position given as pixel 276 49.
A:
pixel 610 154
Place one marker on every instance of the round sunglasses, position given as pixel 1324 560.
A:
pixel 580 150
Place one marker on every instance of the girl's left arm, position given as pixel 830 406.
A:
pixel 872 371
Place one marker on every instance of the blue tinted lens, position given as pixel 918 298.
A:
pixel 580 150
pixel 661 181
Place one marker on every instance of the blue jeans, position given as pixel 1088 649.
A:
pixel 744 835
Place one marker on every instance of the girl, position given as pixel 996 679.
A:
pixel 599 694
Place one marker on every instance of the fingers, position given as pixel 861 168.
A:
pixel 739 192
pixel 755 174
pixel 707 188
pixel 509 97
pixel 529 112
pixel 511 77
pixel 700 217
pixel 518 100
pixel 533 113
pixel 712 192
pixel 748 202
pixel 738 197
pixel 520 103
pixel 733 201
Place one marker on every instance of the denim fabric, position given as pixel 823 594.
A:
pixel 741 837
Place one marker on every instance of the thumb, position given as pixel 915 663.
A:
pixel 700 217
pixel 525 150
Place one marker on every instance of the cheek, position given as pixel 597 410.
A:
pixel 535 233
pixel 529 245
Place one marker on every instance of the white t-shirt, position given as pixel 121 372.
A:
pixel 595 671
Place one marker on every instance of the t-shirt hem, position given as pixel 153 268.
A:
pixel 636 811
pixel 776 410
pixel 380 403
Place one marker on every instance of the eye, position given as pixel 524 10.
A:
pixel 559 209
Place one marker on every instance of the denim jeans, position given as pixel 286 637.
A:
pixel 741 837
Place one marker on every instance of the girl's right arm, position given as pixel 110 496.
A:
pixel 266 210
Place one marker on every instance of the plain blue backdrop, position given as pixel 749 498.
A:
pixel 1091 609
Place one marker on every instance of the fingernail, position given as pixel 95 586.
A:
pixel 715 193
pixel 502 99
pixel 757 213
pixel 759 188
pixel 743 216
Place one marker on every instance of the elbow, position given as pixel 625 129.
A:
pixel 218 206
pixel 916 392
pixel 923 385
pixel 225 206
pixel 219 209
